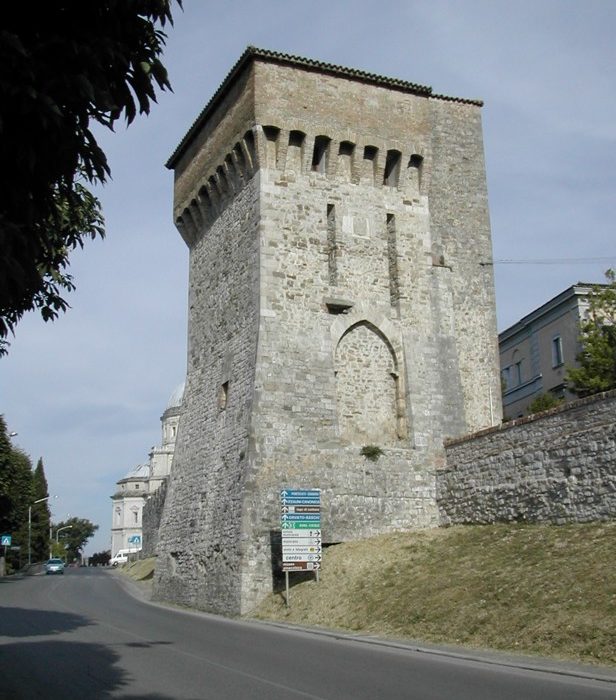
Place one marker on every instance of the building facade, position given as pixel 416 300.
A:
pixel 536 351
pixel 143 481
pixel 128 501
pixel 337 223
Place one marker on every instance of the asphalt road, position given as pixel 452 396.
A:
pixel 82 635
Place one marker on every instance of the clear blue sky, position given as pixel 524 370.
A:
pixel 86 393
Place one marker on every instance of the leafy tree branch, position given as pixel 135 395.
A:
pixel 597 360
pixel 64 64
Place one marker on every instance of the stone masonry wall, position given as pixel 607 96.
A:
pixel 336 300
pixel 460 230
pixel 198 551
pixel 332 301
pixel 555 467
pixel 150 520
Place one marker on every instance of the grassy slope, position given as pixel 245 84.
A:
pixel 548 590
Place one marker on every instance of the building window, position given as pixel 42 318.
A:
pixel 517 372
pixel 557 351
pixel 505 378
pixel 516 375
pixel 223 396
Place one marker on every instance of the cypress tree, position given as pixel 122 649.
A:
pixel 41 515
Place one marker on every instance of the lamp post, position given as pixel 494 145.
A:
pixel 58 531
pixel 40 500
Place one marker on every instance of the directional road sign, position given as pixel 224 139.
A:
pixel 300 517
pixel 301 565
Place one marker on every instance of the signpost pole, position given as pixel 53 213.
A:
pixel 286 580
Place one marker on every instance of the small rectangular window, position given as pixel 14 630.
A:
pixel 223 396
pixel 505 378
pixel 557 351
pixel 517 372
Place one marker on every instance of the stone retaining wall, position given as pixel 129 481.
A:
pixel 558 466
pixel 150 519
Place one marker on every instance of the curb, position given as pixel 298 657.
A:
pixel 494 658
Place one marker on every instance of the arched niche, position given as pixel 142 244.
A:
pixel 369 388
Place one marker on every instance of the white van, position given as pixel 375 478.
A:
pixel 121 556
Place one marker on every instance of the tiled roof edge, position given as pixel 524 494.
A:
pixel 461 100
pixel 252 52
pixel 340 70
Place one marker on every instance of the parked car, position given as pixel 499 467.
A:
pixel 122 556
pixel 54 566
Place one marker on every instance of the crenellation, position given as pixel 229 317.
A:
pixel 274 148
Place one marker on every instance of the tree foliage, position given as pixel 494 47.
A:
pixel 75 537
pixel 15 488
pixel 63 65
pixel 100 558
pixel 41 514
pixel 543 402
pixel 597 360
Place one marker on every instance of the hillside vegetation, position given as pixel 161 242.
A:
pixel 535 589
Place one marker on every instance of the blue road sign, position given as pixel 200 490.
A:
pixel 5 540
pixel 298 493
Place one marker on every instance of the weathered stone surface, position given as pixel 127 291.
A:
pixel 336 226
pixel 150 522
pixel 555 467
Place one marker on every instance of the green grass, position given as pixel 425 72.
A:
pixel 533 589
pixel 140 570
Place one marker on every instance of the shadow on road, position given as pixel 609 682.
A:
pixel 65 670
pixel 26 622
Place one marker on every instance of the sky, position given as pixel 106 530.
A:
pixel 86 392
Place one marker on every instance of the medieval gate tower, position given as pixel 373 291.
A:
pixel 339 297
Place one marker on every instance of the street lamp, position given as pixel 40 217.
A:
pixel 66 527
pixel 58 531
pixel 40 500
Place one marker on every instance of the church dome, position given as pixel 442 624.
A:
pixel 141 471
pixel 175 400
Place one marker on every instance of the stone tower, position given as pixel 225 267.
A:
pixel 338 231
